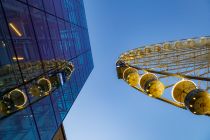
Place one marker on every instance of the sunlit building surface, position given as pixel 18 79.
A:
pixel 45 60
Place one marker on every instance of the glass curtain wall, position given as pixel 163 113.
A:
pixel 34 34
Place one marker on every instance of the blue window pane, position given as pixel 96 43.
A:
pixel 81 38
pixel 64 41
pixel 23 37
pixel 90 60
pixel 72 14
pixel 77 12
pixel 55 37
pixel 36 3
pixel 70 40
pixel 58 8
pixel 68 94
pixel 43 36
pixel 19 126
pixel 76 37
pixel 67 6
pixel 31 36
pixel 23 1
pixel 49 7
pixel 59 105
pixel 81 63
pixel 75 79
pixel 9 71
pixel 87 41
pixel 64 37
pixel 45 118
pixel 82 15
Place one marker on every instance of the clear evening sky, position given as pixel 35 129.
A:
pixel 107 108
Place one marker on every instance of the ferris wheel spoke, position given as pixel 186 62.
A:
pixel 182 64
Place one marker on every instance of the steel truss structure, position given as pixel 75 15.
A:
pixel 181 67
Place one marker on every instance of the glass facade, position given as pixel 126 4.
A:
pixel 37 38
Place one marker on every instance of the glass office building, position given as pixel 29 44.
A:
pixel 45 60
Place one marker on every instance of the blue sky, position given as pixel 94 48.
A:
pixel 107 108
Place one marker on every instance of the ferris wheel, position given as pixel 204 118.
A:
pixel 175 72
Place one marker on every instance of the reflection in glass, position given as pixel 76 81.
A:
pixel 39 87
pixel 19 126
pixel 23 37
pixel 9 71
pixel 36 45
pixel 17 58
pixel 14 100
pixel 45 85
pixel 45 118
pixel 43 35
pixel 18 97
pixel 55 37
pixel 14 28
